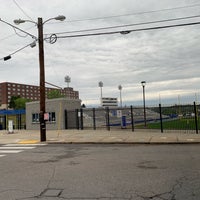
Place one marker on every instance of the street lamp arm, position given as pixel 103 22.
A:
pixel 34 37
pixel 59 17
pixel 20 21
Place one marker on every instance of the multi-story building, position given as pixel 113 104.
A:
pixel 32 92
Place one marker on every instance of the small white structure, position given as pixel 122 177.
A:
pixel 55 110
pixel 10 126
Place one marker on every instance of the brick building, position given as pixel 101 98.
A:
pixel 32 92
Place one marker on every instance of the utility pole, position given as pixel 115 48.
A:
pixel 42 81
pixel 40 24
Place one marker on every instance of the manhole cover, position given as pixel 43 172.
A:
pixel 52 193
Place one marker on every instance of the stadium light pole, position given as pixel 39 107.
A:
pixel 68 80
pixel 101 86
pixel 143 87
pixel 40 24
pixel 120 93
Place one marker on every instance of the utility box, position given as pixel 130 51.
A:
pixel 123 122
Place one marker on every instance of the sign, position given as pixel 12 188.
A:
pixel 46 116
pixel 119 113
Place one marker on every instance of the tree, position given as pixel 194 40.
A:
pixel 20 103
pixel 16 102
pixel 12 101
pixel 53 94
pixel 83 106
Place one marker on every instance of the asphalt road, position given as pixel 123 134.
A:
pixel 132 172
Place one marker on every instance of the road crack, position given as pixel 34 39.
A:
pixel 170 195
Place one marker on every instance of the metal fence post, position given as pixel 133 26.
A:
pixel 5 122
pixel 94 118
pixel 66 119
pixel 20 121
pixel 77 119
pixel 107 119
pixel 132 120
pixel 81 120
pixel 17 122
pixel 161 122
pixel 196 121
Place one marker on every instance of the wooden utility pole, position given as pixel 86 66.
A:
pixel 42 81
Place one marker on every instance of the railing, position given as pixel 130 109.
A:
pixel 183 118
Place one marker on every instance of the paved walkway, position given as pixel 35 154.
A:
pixel 99 137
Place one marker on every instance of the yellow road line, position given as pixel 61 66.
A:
pixel 28 142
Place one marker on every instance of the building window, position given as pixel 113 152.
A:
pixel 51 117
pixel 35 118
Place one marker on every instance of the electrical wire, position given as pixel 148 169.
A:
pixel 137 13
pixel 14 34
pixel 131 30
pixel 115 32
pixel 19 34
pixel 22 10
pixel 127 25
pixel 34 37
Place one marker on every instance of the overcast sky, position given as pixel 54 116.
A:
pixel 167 59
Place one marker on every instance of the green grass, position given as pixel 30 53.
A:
pixel 178 124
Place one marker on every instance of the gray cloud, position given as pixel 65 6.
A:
pixel 167 59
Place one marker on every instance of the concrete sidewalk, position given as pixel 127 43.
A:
pixel 99 137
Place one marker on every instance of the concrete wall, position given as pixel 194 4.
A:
pixel 52 105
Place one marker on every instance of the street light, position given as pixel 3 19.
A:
pixel 20 21
pixel 40 24
pixel 143 87
pixel 120 93
pixel 101 85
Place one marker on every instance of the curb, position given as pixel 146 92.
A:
pixel 122 143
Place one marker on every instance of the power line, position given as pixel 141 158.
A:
pixel 19 34
pixel 109 33
pixel 11 35
pixel 131 30
pixel 127 25
pixel 34 37
pixel 22 10
pixel 137 13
